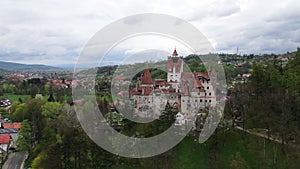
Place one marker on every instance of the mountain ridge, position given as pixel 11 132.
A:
pixel 12 66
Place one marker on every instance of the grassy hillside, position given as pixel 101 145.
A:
pixel 226 149
pixel 221 151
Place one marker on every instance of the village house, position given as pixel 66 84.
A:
pixel 5 141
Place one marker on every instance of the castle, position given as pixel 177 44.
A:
pixel 191 92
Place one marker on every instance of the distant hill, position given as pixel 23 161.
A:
pixel 2 70
pixel 10 66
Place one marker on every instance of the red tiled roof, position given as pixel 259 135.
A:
pixel 12 125
pixel 175 53
pixel 187 75
pixel 205 75
pixel 167 91
pixel 191 82
pixel 173 81
pixel 160 82
pixel 142 90
pixel 147 79
pixel 4 138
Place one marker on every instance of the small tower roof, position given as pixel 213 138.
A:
pixel 175 53
pixel 147 79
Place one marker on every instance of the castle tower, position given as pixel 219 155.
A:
pixel 175 68
pixel 147 79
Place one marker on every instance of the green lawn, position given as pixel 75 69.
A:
pixel 190 154
pixel 15 97
pixel 220 149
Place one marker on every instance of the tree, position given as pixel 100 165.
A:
pixel 39 161
pixel 51 109
pixel 47 88
pixel 51 98
pixel 238 162
pixel 24 140
pixel 19 111
pixel 36 119
pixel 168 116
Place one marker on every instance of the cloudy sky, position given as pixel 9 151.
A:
pixel 54 32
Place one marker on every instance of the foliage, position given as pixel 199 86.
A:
pixel 24 140
pixel 238 162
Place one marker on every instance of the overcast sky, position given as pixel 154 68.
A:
pixel 54 32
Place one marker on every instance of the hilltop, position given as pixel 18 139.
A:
pixel 10 66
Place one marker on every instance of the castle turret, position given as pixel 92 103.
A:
pixel 147 79
pixel 175 67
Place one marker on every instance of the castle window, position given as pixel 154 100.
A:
pixel 207 87
pixel 210 94
pixel 200 100
pixel 196 100
pixel 209 100
pixel 206 101
pixel 182 100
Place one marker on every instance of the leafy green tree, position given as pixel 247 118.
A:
pixel 24 140
pixel 168 116
pixel 39 161
pixel 36 119
pixel 19 111
pixel 51 109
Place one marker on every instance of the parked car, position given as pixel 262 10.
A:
pixel 12 149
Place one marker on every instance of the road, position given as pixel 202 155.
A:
pixel 260 134
pixel 15 161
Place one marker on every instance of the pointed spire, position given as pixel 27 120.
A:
pixel 147 79
pixel 175 52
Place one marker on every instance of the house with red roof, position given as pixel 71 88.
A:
pixel 5 140
pixel 12 125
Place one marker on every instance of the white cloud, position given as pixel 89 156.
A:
pixel 55 31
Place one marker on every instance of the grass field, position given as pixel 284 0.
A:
pixel 220 150
pixel 15 97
